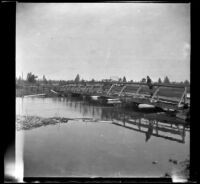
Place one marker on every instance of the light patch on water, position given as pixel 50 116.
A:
pixel 13 162
pixel 19 162
pixel 9 168
pixel 177 177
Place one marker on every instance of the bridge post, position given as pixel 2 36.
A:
pixel 182 97
pixel 185 98
pixel 123 88
pixel 79 89
pixel 100 89
pixel 84 89
pixel 66 88
pixel 87 89
pixel 110 88
pixel 138 90
pixel 69 88
pixel 155 93
pixel 92 90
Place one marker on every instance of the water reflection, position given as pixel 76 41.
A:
pixel 153 124
pixel 99 140
pixel 150 130
pixel 150 124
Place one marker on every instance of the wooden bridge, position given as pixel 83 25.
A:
pixel 167 97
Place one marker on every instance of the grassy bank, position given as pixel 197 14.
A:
pixel 30 122
pixel 34 89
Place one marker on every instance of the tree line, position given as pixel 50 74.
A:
pixel 33 79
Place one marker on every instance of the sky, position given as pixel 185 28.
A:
pixel 103 40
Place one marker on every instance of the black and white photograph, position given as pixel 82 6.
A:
pixel 103 90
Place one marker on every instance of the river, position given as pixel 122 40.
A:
pixel 118 143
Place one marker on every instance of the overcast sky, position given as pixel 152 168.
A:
pixel 100 40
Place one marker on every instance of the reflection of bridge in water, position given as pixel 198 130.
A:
pixel 151 124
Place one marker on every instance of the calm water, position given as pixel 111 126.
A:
pixel 120 143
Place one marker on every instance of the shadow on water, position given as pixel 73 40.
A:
pixel 149 122
pixel 154 124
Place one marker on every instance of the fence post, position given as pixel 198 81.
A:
pixel 122 90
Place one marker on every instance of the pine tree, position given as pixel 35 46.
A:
pixel 77 79
pixel 186 82
pixel 44 79
pixel 124 79
pixel 159 81
pixel 166 80
pixel 143 80
pixel 31 77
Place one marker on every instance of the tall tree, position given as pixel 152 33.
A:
pixel 159 81
pixel 44 79
pixel 31 77
pixel 124 79
pixel 143 80
pixel 186 82
pixel 166 80
pixel 77 79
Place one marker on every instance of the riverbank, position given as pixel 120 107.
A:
pixel 31 89
pixel 30 122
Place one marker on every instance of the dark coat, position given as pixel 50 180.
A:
pixel 149 83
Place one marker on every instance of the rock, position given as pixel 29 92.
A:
pixel 154 162
pixel 167 175
pixel 174 162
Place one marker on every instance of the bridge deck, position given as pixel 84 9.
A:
pixel 163 96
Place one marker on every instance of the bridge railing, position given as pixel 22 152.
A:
pixel 167 92
pixel 175 94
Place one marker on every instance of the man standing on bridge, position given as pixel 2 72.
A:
pixel 149 83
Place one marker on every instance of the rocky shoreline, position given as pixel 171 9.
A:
pixel 30 122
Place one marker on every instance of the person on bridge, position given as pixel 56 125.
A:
pixel 149 83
